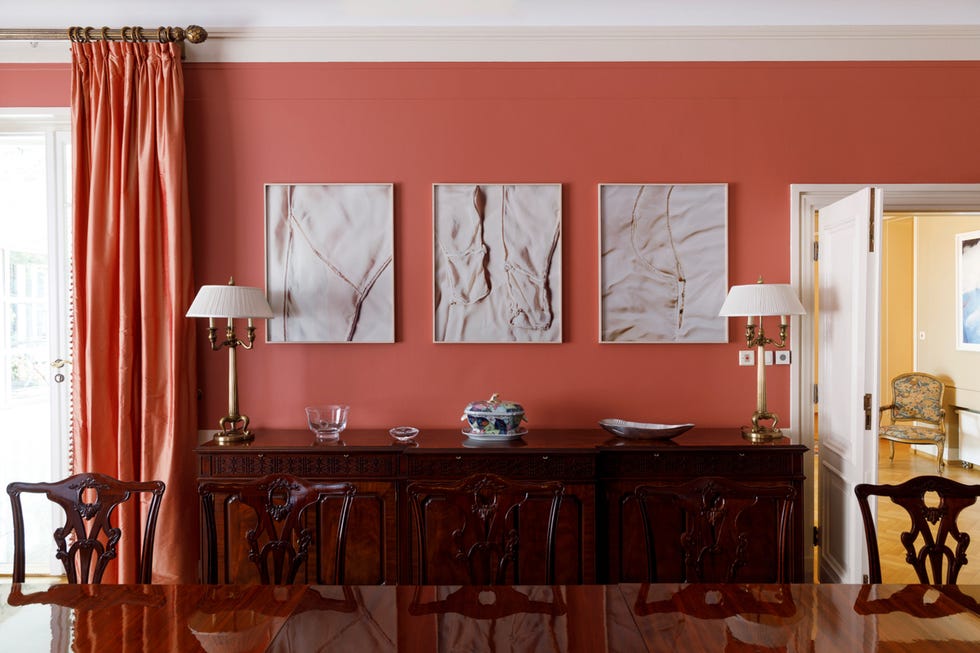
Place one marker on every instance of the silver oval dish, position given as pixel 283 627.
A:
pixel 642 431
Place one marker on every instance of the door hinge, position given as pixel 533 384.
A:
pixel 816 394
pixel 871 224
pixel 816 251
pixel 816 536
pixel 867 412
pixel 865 579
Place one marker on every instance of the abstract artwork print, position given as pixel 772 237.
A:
pixel 968 291
pixel 663 262
pixel 329 269
pixel 497 262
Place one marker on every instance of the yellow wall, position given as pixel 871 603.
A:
pixel 936 295
pixel 897 299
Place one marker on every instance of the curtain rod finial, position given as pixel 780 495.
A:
pixel 196 34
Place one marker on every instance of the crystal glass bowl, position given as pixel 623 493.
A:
pixel 404 433
pixel 327 421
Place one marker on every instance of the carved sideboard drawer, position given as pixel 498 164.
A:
pixel 332 465
pixel 691 464
pixel 565 467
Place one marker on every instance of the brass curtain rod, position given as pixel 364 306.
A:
pixel 193 33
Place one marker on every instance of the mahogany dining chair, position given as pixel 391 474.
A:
pixel 88 541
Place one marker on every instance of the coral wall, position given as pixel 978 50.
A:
pixel 756 126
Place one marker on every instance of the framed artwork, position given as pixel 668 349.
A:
pixel 329 268
pixel 968 291
pixel 497 262
pixel 663 263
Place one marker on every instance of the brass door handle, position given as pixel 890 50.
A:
pixel 58 364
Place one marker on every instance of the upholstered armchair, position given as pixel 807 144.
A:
pixel 917 413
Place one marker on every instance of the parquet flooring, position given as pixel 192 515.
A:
pixel 893 520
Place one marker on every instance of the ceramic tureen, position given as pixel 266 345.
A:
pixel 494 417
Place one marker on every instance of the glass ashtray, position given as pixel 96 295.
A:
pixel 404 433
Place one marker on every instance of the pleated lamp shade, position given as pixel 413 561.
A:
pixel 230 301
pixel 762 299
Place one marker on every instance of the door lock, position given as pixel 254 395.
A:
pixel 58 364
pixel 867 412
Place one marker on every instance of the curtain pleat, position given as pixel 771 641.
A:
pixel 133 374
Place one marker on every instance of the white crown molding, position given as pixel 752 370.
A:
pixel 445 44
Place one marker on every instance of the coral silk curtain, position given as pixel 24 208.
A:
pixel 133 413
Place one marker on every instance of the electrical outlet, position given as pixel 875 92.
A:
pixel 746 357
pixel 783 357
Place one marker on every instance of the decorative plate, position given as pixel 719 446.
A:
pixel 641 431
pixel 471 443
pixel 495 437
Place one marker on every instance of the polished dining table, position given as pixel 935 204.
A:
pixel 587 618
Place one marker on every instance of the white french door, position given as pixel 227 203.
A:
pixel 34 346
pixel 848 309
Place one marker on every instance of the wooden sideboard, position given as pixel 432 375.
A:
pixel 596 538
pixel 625 464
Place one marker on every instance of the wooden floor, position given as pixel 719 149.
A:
pixel 893 520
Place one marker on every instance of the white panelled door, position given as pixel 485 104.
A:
pixel 848 326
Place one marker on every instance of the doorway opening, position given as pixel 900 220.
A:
pixel 921 279
pixel 806 201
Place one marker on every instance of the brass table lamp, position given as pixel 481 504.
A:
pixel 756 301
pixel 231 302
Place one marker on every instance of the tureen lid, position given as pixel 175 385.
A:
pixel 494 406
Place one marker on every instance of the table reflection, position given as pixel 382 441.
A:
pixel 177 618
pixel 536 619
pixel 327 618
pixel 720 617
pixel 894 617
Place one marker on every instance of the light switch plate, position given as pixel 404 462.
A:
pixel 783 357
pixel 746 357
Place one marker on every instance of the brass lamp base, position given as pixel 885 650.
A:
pixel 226 437
pixel 234 428
pixel 760 432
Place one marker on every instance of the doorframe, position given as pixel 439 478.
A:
pixel 805 201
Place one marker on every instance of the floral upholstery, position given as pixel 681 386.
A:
pixel 910 433
pixel 917 413
pixel 918 397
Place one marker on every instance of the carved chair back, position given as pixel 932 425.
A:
pixel 485 530
pixel 88 541
pixel 934 545
pixel 285 518
pixel 726 529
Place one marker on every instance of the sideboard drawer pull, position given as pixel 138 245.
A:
pixel 346 455
pixel 261 455
pixel 459 457
pixel 544 457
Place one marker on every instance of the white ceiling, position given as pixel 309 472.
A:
pixel 525 30
pixel 526 13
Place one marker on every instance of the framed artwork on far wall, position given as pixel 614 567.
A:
pixel 663 263
pixel 968 291
pixel 497 263
pixel 329 262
